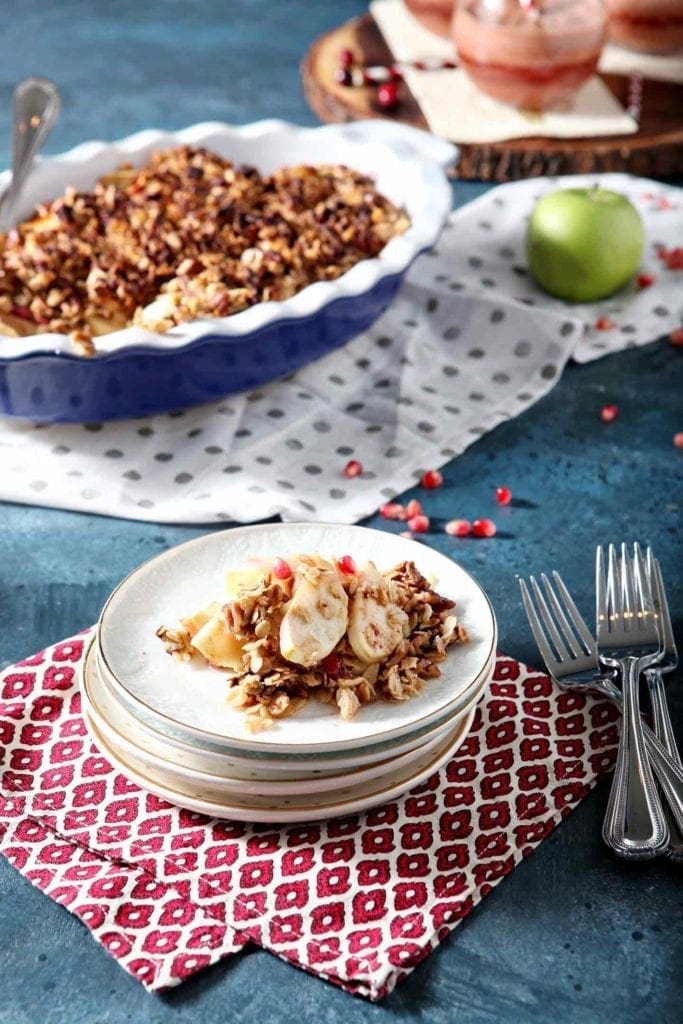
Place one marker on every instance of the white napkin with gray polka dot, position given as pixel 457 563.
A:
pixel 468 343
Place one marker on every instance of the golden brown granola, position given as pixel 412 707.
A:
pixel 188 235
pixel 268 686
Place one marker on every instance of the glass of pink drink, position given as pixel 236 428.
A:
pixel 436 15
pixel 654 26
pixel 533 54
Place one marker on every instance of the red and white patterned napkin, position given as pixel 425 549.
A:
pixel 359 900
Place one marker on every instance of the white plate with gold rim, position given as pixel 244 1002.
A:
pixel 188 698
pixel 219 759
pixel 291 809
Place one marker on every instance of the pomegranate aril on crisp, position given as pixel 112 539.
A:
pixel 431 479
pixel 413 508
pixel 458 527
pixel 347 565
pixel 352 468
pixel 503 495
pixel 483 528
pixel 331 664
pixel 346 59
pixel 418 524
pixel 609 413
pixel 343 76
pixel 392 510
pixel 282 569
pixel 387 95
pixel 604 323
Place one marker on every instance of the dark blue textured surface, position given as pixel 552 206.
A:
pixel 572 935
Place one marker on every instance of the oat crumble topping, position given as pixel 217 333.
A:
pixel 188 235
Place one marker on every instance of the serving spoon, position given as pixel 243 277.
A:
pixel 36 108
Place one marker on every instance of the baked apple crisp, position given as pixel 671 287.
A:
pixel 188 235
pixel 311 625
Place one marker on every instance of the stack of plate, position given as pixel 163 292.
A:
pixel 167 725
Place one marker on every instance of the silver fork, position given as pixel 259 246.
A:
pixel 572 662
pixel 654 676
pixel 667 663
pixel 628 640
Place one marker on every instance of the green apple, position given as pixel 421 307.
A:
pixel 583 244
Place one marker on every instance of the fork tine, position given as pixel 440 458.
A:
pixel 578 623
pixel 537 629
pixel 628 597
pixel 561 618
pixel 643 588
pixel 614 603
pixel 601 620
pixel 548 620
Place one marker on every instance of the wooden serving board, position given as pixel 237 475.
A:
pixel 655 150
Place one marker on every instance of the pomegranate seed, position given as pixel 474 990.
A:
pixel 413 508
pixel 387 96
pixel 503 495
pixel 23 312
pixel 343 76
pixel 458 528
pixel 676 337
pixel 331 664
pixel 678 440
pixel 431 479
pixel 281 569
pixel 418 524
pixel 392 510
pixel 346 58
pixel 662 252
pixel 352 468
pixel 609 413
pixel 645 280
pixel 604 323
pixel 663 203
pixel 674 259
pixel 484 528
pixel 347 565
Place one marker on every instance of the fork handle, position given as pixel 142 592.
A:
pixel 665 734
pixel 634 826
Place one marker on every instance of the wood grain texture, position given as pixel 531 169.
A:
pixel 656 150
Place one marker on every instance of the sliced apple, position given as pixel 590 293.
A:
pixel 193 623
pixel 218 645
pixel 249 578
pixel 375 620
pixel 316 617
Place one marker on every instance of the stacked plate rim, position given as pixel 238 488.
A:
pixel 168 726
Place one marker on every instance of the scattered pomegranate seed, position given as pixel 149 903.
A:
pixel 604 323
pixel 503 495
pixel 387 96
pixel 331 664
pixel 676 337
pixel 392 510
pixel 645 280
pixel 343 76
pixel 418 524
pixel 431 479
pixel 346 58
pixel 281 569
pixel 347 565
pixel 674 259
pixel 484 528
pixel 647 196
pixel 458 528
pixel 609 413
pixel 663 203
pixel 678 440
pixel 413 508
pixel 352 468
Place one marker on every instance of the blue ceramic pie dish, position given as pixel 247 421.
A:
pixel 137 373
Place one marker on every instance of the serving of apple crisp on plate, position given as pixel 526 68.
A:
pixel 345 633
